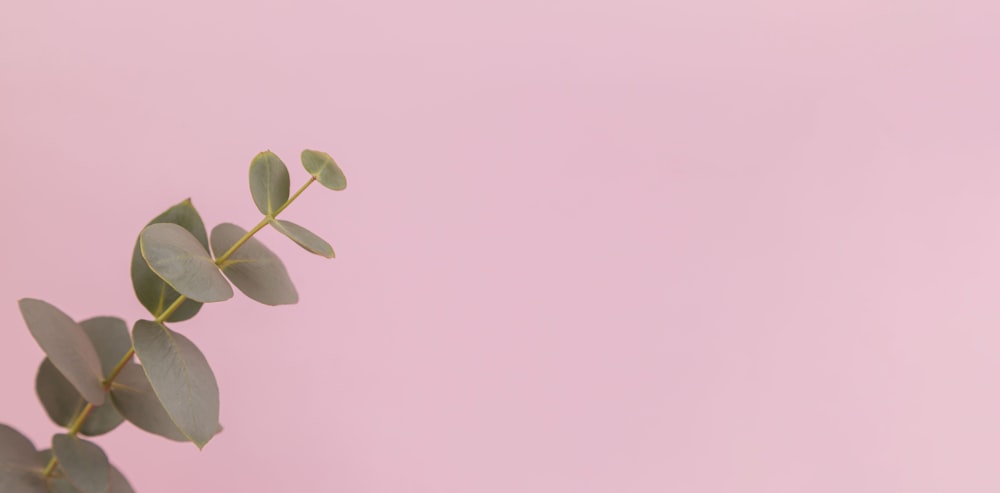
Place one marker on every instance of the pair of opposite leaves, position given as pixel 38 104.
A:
pixel 173 393
pixel 84 468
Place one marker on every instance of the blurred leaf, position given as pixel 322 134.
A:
pixel 83 462
pixel 269 182
pixel 20 463
pixel 62 403
pixel 253 268
pixel 324 168
pixel 61 485
pixel 119 484
pixel 67 345
pixel 178 258
pixel 135 399
pixel 111 340
pixel 182 379
pixel 305 238
pixel 153 293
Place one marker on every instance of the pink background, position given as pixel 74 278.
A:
pixel 630 246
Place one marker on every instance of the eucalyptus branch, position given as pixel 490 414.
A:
pixel 170 263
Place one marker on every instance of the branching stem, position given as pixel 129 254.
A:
pixel 77 422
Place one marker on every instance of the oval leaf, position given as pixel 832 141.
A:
pixel 134 398
pixel 253 268
pixel 153 293
pixel 325 169
pixel 62 403
pixel 178 258
pixel 84 463
pixel 269 182
pixel 305 238
pixel 20 464
pixel 111 340
pixel 182 379
pixel 119 484
pixel 67 345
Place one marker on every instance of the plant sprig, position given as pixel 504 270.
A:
pixel 89 381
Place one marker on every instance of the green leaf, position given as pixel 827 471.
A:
pixel 62 403
pixel 153 293
pixel 83 462
pixel 67 345
pixel 325 169
pixel 253 268
pixel 111 340
pixel 305 238
pixel 20 463
pixel 182 379
pixel 119 484
pixel 269 182
pixel 135 399
pixel 178 258
pixel 60 485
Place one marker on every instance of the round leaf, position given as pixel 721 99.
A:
pixel 111 340
pixel 67 345
pixel 62 403
pixel 269 182
pixel 182 379
pixel 253 268
pixel 325 169
pixel 152 292
pixel 178 258
pixel 83 462
pixel 305 238
pixel 135 399
pixel 20 463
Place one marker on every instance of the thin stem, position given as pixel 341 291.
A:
pixel 77 423
pixel 263 222
pixel 294 196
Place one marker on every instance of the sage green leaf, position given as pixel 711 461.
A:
pixel 153 293
pixel 119 484
pixel 135 399
pixel 83 462
pixel 305 238
pixel 269 182
pixel 67 345
pixel 62 403
pixel 253 268
pixel 182 379
pixel 111 340
pixel 325 169
pixel 61 485
pixel 178 258
pixel 20 464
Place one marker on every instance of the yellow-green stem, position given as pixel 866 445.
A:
pixel 77 423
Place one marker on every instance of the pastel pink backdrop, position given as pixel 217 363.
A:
pixel 630 246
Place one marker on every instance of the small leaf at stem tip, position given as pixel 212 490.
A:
pixel 269 182
pixel 133 397
pixel 324 168
pixel 178 258
pixel 253 268
pixel 20 463
pixel 67 345
pixel 303 237
pixel 182 379
pixel 152 292
pixel 83 462
pixel 62 403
